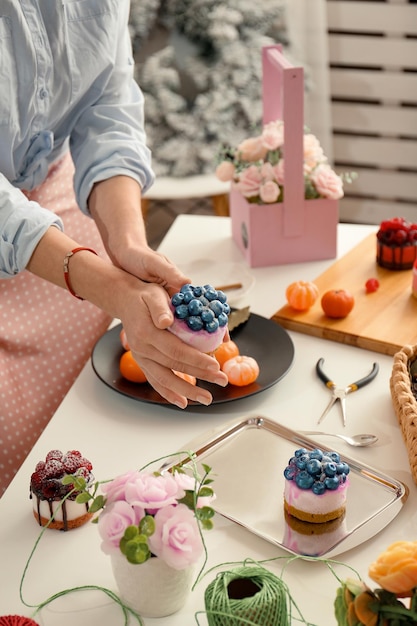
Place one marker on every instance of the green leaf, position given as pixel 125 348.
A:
pixel 131 532
pixel 82 498
pixel 147 525
pixel 205 513
pixel 205 492
pixel 207 524
pixel 137 552
pixel 79 483
pixel 206 468
pixel 97 504
pixel 68 480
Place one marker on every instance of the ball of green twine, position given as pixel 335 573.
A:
pixel 246 595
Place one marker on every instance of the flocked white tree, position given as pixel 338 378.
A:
pixel 198 63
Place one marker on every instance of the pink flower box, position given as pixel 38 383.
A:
pixel 296 229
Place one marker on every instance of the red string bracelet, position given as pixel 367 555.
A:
pixel 66 268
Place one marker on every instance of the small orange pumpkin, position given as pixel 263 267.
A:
pixel 301 295
pixel 241 370
pixel 227 350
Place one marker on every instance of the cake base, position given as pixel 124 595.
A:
pixel 63 525
pixel 313 518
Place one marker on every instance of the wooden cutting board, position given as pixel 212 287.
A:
pixel 383 321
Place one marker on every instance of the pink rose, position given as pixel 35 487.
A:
pixel 225 171
pixel 273 135
pixel 249 181
pixel 313 152
pixel 176 539
pixel 267 171
pixel 115 490
pixel 269 191
pixel 279 172
pixel 327 182
pixel 252 149
pixel 152 492
pixel 113 522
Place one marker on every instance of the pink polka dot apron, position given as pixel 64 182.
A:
pixel 46 335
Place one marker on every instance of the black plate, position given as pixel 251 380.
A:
pixel 259 337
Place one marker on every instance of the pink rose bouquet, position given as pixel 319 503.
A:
pixel 256 167
pixel 148 514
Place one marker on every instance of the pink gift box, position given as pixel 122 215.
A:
pixel 297 229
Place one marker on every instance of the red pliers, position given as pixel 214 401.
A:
pixel 339 394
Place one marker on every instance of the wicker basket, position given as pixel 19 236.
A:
pixel 405 404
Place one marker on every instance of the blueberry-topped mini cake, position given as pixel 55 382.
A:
pixel 316 485
pixel 201 314
pixel 396 244
pixel 48 491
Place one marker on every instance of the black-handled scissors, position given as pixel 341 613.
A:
pixel 339 394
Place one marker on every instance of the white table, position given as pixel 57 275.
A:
pixel 118 433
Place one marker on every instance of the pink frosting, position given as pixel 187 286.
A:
pixel 200 339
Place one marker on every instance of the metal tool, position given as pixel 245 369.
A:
pixel 358 441
pixel 339 394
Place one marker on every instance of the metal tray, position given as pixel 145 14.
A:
pixel 248 458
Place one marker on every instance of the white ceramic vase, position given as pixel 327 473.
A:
pixel 153 588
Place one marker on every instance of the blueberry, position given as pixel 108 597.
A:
pixel 318 488
pixel 342 468
pixel 222 319
pixel 301 461
pixel 221 296
pixel 313 466
pixel 300 451
pixel 211 294
pixel 186 287
pixel 304 480
pixel 181 311
pixel 226 308
pixel 335 457
pixel 217 307
pixel 316 454
pixel 177 299
pixel 204 301
pixel 207 315
pixel 290 472
pixel 195 323
pixel 188 296
pixel 331 483
pixel 198 291
pixel 211 327
pixel 330 469
pixel 195 307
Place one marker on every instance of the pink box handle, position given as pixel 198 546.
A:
pixel 283 98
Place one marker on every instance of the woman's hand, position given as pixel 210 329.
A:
pixel 159 352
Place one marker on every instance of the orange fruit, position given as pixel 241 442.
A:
pixel 241 370
pixel 190 379
pixel 227 350
pixel 301 295
pixel 130 369
pixel 337 303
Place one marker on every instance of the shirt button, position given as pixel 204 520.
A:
pixel 43 93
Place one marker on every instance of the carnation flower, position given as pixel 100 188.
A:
pixel 256 167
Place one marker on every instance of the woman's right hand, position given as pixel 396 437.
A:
pixel 145 320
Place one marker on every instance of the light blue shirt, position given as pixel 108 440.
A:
pixel 66 79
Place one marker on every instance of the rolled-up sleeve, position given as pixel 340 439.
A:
pixel 22 225
pixel 109 137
